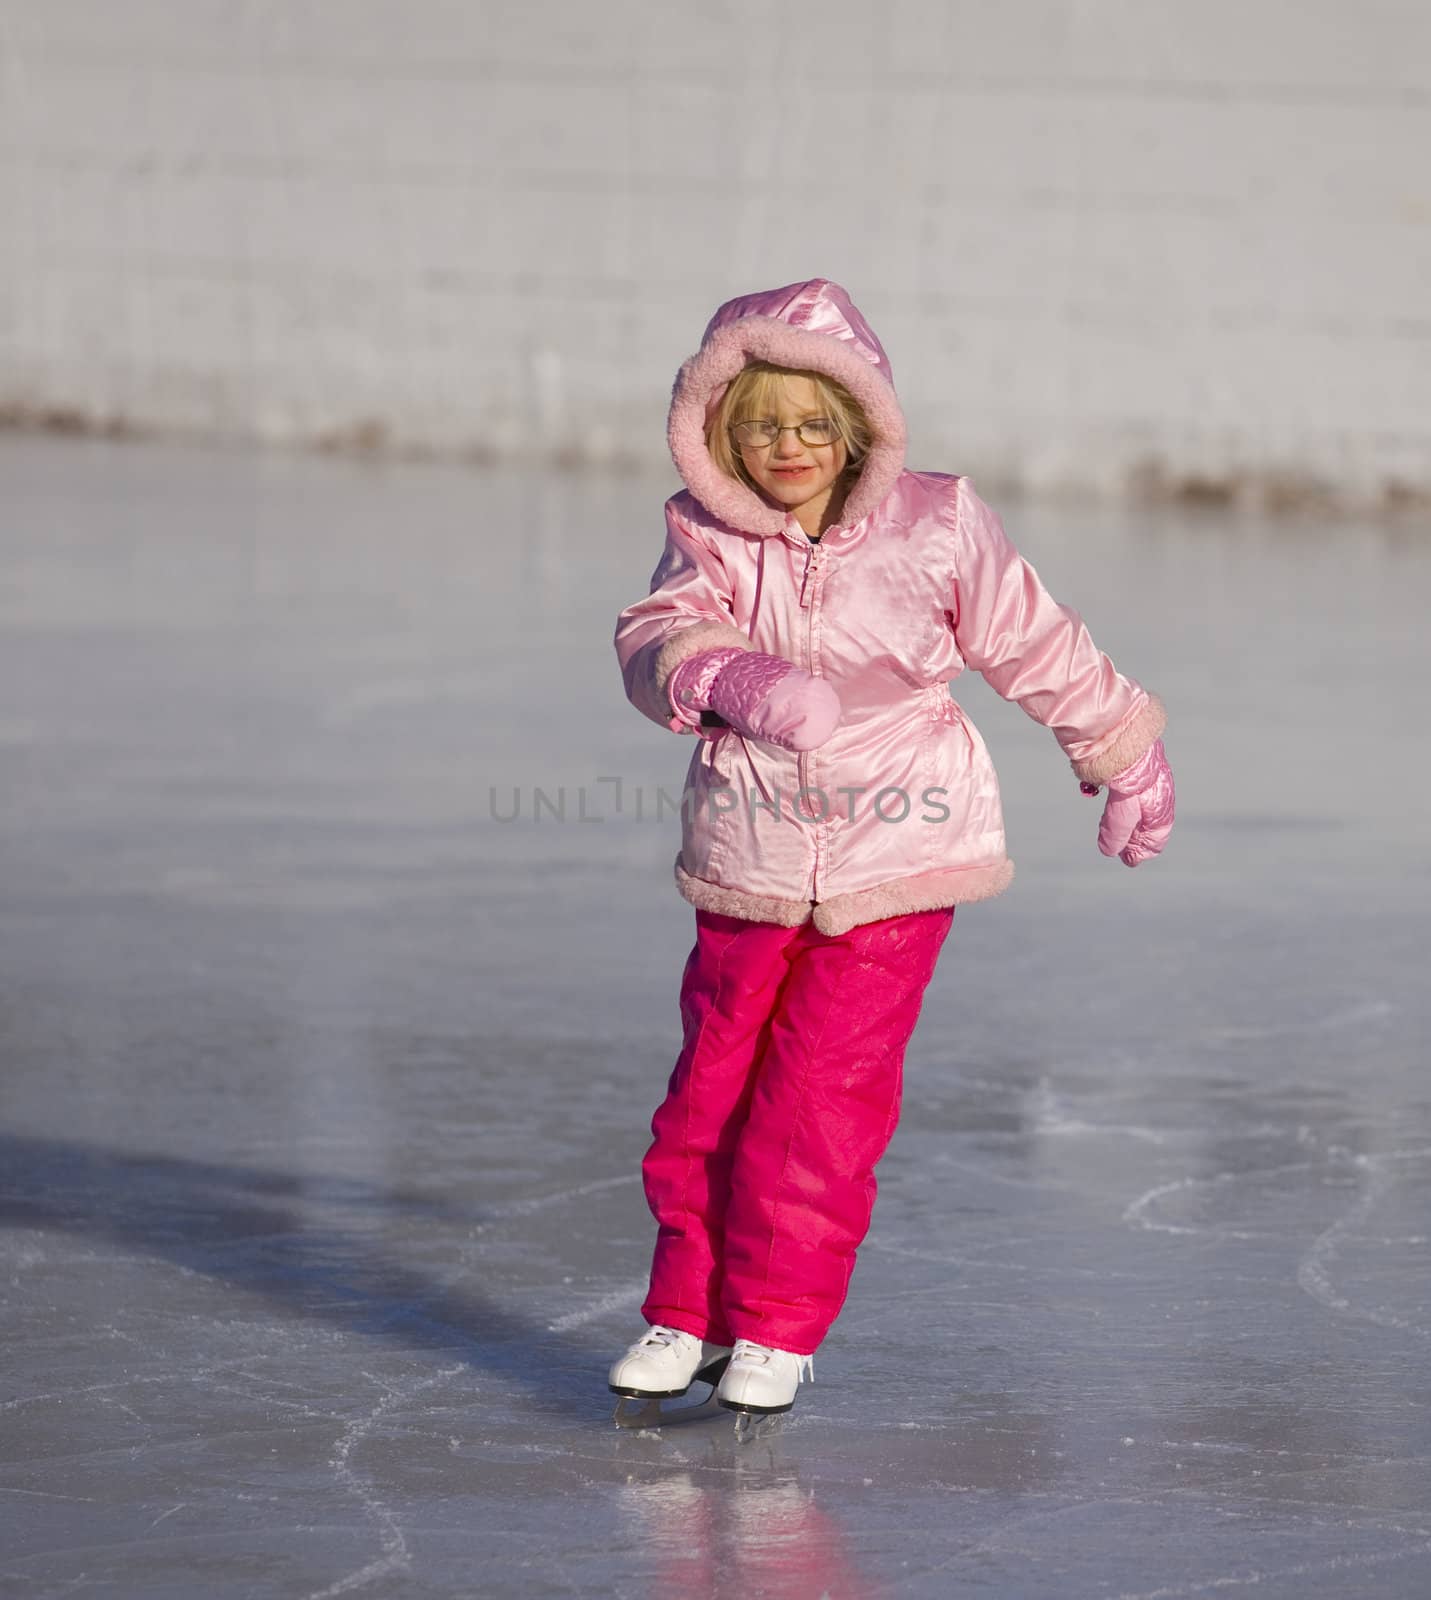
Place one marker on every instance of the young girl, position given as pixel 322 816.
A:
pixel 812 604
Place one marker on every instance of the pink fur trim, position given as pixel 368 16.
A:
pixel 688 642
pixel 720 358
pixel 1127 742
pixel 707 896
pixel 927 891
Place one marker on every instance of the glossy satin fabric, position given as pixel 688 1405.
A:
pixel 899 810
pixel 1142 802
pixel 763 697
pixel 820 312
pixel 888 611
pixel 783 1099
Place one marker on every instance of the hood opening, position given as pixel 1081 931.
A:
pixel 811 326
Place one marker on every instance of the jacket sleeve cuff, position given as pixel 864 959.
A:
pixel 1123 745
pixel 681 647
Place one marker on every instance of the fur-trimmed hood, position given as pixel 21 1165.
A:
pixel 813 326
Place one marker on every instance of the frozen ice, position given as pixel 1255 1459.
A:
pixel 325 1090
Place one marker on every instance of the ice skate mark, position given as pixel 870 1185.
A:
pixel 1235 1500
pixel 1136 1212
pixel 1051 1117
pixel 1207 1444
pixel 939 1257
pixel 72 1586
pixel 48 1494
pixel 1074 1125
pixel 1350 1017
pixel 119 1405
pixel 544 1202
pixel 19 1253
pixel 102 1389
pixel 1014 1180
pixel 984 1263
pixel 28 1257
pixel 1313 1274
pixel 109 1331
pixel 617 1300
pixel 1302 1569
pixel 254 1397
pixel 1345 1153
pixel 395 1556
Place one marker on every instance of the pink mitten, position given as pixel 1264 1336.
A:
pixel 1139 815
pixel 761 696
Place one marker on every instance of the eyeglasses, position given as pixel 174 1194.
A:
pixel 814 432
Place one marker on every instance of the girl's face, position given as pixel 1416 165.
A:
pixel 793 474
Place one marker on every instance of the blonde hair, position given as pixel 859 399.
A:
pixel 754 392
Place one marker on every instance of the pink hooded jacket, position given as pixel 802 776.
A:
pixel 899 810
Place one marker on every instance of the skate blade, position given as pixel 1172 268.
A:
pixel 637 1412
pixel 753 1425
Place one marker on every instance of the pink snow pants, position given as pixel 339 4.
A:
pixel 784 1097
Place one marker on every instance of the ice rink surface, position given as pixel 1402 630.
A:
pixel 325 1088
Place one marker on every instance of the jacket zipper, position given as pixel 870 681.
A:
pixel 813 552
pixel 809 601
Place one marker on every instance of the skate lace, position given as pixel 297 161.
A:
pixel 748 1353
pixel 660 1336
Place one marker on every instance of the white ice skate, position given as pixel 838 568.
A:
pixel 761 1382
pixel 661 1366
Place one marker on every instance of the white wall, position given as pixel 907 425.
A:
pixel 1106 242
